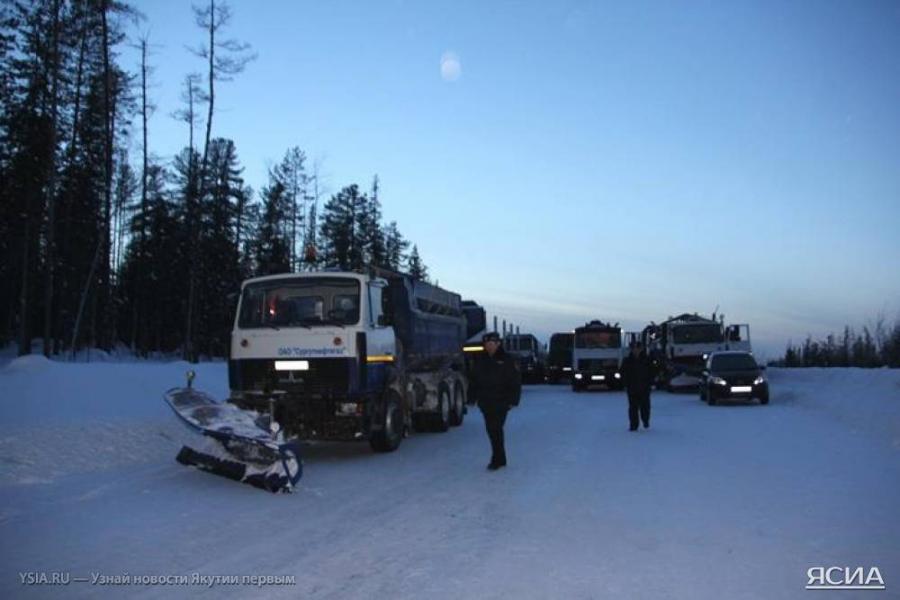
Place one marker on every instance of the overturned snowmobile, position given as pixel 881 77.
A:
pixel 242 445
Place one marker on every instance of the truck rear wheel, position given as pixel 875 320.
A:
pixel 388 438
pixel 459 405
pixel 442 418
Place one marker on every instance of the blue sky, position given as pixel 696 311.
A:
pixel 623 161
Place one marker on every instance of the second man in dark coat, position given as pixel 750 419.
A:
pixel 637 372
pixel 496 384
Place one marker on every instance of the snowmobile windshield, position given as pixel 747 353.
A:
pixel 733 362
pixel 307 302
pixel 598 339
pixel 697 334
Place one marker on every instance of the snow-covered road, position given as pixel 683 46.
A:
pixel 734 501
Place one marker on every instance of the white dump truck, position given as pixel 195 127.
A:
pixel 679 346
pixel 350 356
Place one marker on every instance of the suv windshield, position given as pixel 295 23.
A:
pixel 303 302
pixel 598 339
pixel 733 362
pixel 697 334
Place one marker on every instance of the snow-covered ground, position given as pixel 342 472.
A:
pixel 734 501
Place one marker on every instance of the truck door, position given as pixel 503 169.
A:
pixel 737 337
pixel 380 334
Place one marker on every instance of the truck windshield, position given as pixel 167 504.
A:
pixel 306 302
pixel 519 343
pixel 697 334
pixel 598 339
pixel 561 348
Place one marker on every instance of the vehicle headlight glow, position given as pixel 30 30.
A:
pixel 577 375
pixel 618 376
pixel 759 380
pixel 718 381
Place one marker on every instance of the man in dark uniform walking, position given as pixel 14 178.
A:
pixel 496 384
pixel 638 375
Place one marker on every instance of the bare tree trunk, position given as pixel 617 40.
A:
pixel 192 285
pixel 103 227
pixel 188 350
pixel 70 161
pixel 51 191
pixel 24 332
pixel 140 279
pixel 109 111
pixel 84 294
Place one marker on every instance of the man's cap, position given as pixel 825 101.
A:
pixel 491 336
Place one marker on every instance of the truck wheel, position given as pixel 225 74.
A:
pixel 391 434
pixel 459 406
pixel 442 418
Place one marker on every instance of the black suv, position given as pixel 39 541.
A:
pixel 733 375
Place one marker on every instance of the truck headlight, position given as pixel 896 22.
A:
pixel 618 376
pixel 759 380
pixel 577 375
pixel 718 381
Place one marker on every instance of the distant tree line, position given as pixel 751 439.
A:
pixel 878 347
pixel 97 249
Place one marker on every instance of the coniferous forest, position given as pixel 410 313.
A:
pixel 101 246
pixel 878 346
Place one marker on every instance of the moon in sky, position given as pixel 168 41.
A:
pixel 450 67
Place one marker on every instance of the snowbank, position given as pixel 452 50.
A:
pixel 59 418
pixel 867 401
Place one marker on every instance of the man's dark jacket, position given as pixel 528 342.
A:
pixel 637 372
pixel 496 383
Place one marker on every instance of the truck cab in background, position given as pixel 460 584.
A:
pixel 559 357
pixel 529 354
pixel 679 346
pixel 597 355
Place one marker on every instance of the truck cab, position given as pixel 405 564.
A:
pixel 737 337
pixel 527 350
pixel 559 357
pixel 597 355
